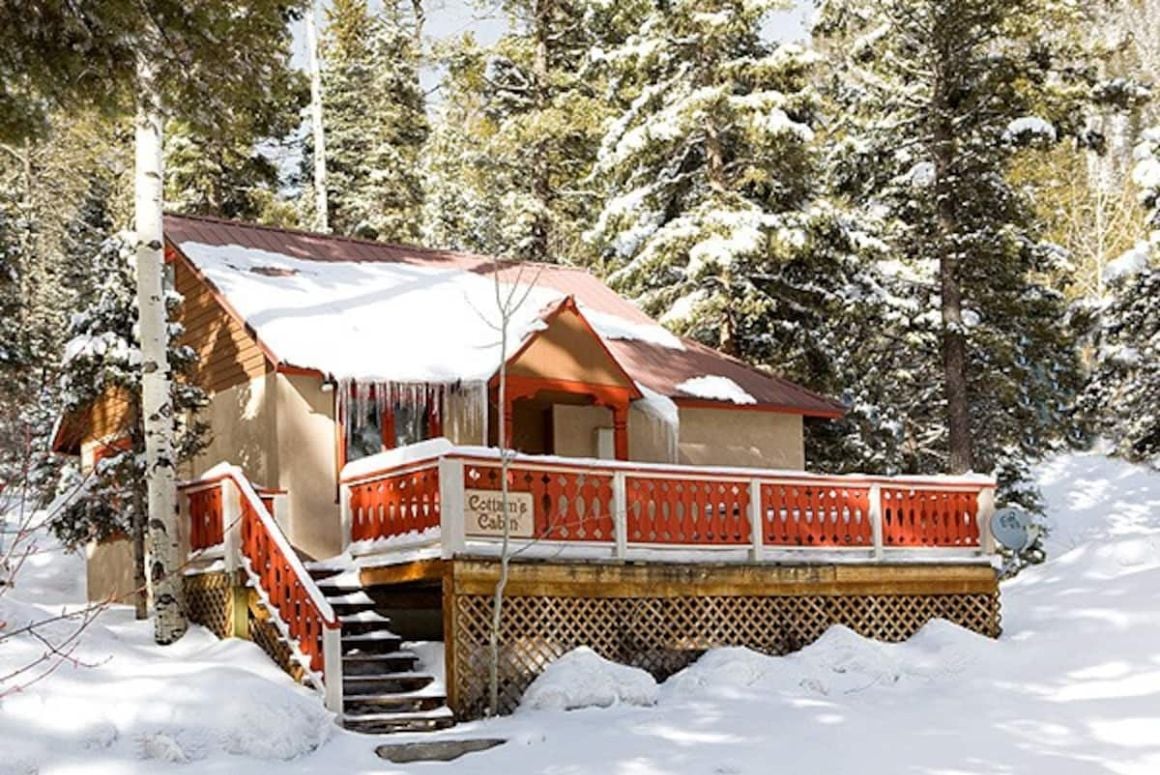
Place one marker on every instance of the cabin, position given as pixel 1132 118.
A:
pixel 388 421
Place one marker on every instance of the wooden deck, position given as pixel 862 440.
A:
pixel 649 565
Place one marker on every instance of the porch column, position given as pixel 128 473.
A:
pixel 508 419
pixel 620 431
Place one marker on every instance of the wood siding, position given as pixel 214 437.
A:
pixel 108 417
pixel 227 353
pixel 568 350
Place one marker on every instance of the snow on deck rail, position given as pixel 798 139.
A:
pixel 254 542
pixel 614 508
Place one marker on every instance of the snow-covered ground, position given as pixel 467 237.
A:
pixel 1073 686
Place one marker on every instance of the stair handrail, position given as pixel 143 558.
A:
pixel 331 673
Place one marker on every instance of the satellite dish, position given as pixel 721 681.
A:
pixel 1012 528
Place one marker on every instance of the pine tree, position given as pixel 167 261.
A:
pixel 56 195
pixel 462 209
pixel 710 216
pixel 101 360
pixel 374 116
pixel 522 128
pixel 212 58
pixel 932 102
pixel 205 62
pixel 233 172
pixel 1123 394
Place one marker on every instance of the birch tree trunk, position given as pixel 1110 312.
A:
pixel 321 203
pixel 505 546
pixel 165 580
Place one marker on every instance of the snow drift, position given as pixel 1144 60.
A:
pixel 584 679
pixel 121 696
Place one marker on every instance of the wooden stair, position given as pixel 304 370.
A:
pixel 382 692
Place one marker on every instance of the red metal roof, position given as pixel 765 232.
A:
pixel 655 366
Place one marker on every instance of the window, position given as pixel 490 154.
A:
pixel 368 432
pixel 364 434
pixel 411 424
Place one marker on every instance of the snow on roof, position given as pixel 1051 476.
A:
pixel 716 388
pixel 387 321
pixel 370 321
pixel 381 312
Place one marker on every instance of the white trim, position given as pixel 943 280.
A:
pixel 756 521
pixel 413 456
pixel 451 507
pixel 984 517
pixel 620 515
pixel 231 525
pixel 345 516
pixel 332 669
pixel 876 520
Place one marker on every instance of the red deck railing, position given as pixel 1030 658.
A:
pixel 687 509
pixel 665 506
pixel 394 504
pixel 816 514
pixel 567 505
pixel 223 504
pixel 205 518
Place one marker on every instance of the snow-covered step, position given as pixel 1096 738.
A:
pixel 387 683
pixel 328 581
pixel 378 641
pixel 335 564
pixel 364 622
pixel 414 721
pixel 357 597
pixel 392 702
pixel 348 603
pixel 364 617
pixel 379 664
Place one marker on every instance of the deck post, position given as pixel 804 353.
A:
pixel 345 516
pixel 876 521
pixel 986 513
pixel 619 515
pixel 231 525
pixel 332 668
pixel 452 529
pixel 756 523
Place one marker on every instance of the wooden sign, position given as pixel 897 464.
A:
pixel 483 513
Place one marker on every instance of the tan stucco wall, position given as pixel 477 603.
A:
pixel 242 423
pixel 650 440
pixel 109 570
pixel 739 437
pixel 307 463
pixel 280 429
pixel 574 428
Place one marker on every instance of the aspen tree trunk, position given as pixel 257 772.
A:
pixel 321 205
pixel 504 554
pixel 165 580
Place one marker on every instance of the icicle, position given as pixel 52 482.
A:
pixel 459 409
pixel 663 420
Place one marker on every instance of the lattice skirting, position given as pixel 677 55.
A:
pixel 207 601
pixel 663 635
pixel 265 635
